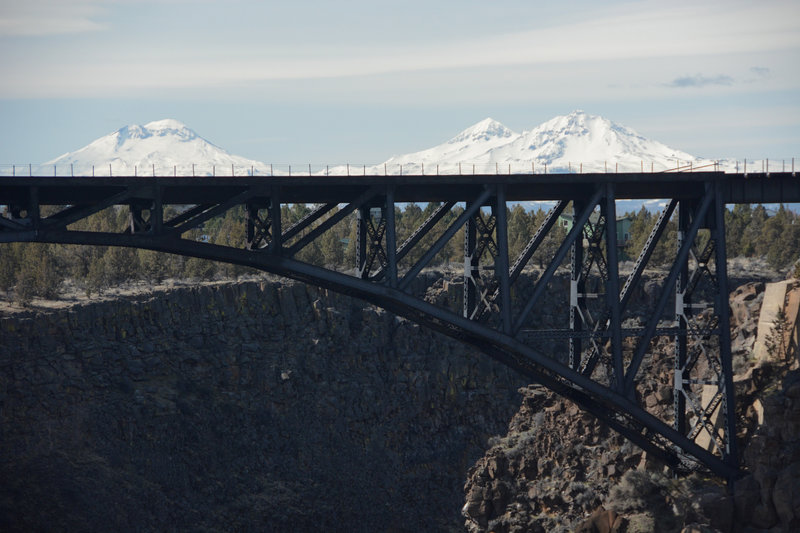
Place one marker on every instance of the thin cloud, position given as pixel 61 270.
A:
pixel 699 80
pixel 158 60
pixel 37 18
pixel 760 71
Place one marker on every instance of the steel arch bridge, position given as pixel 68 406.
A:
pixel 607 357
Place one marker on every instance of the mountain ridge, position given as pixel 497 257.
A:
pixel 576 142
pixel 565 143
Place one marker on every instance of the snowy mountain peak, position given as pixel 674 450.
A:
pixel 159 128
pixel 159 146
pixel 166 124
pixel 486 130
pixel 170 126
pixel 576 123
pixel 567 143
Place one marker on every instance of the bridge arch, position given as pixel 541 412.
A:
pixel 602 372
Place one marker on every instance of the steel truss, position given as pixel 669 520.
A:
pixel 606 364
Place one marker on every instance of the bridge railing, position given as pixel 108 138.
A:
pixel 465 168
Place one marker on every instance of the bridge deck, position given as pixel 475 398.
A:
pixel 736 188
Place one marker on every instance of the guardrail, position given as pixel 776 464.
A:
pixel 743 166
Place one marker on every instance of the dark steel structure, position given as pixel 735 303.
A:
pixel 609 352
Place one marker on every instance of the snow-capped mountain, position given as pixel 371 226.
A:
pixel 577 142
pixel 570 143
pixel 470 145
pixel 595 142
pixel 164 147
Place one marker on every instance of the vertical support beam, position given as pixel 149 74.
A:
pixel 471 263
pixel 612 286
pixel 391 238
pixel 501 261
pixel 275 223
pixel 681 346
pixel 138 223
pixel 250 218
pixel 362 214
pixel 157 211
pixel 577 288
pixel 34 211
pixel 723 313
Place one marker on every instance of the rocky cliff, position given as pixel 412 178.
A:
pixel 558 469
pixel 272 406
pixel 256 406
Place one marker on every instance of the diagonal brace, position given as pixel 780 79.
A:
pixel 75 213
pixel 442 241
pixel 652 324
pixel 306 221
pixel 572 236
pixel 334 219
pixel 636 274
pixel 237 199
pixel 536 241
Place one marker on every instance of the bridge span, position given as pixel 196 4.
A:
pixel 608 350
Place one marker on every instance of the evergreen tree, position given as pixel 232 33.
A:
pixel 781 238
pixel 753 238
pixel 9 264
pixel 736 222
pixel 520 230
pixel 38 274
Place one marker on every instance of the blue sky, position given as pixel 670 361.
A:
pixel 358 81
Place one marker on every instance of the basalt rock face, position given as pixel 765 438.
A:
pixel 558 469
pixel 256 406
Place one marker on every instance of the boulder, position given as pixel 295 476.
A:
pixel 601 521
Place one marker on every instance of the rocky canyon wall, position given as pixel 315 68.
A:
pixel 239 407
